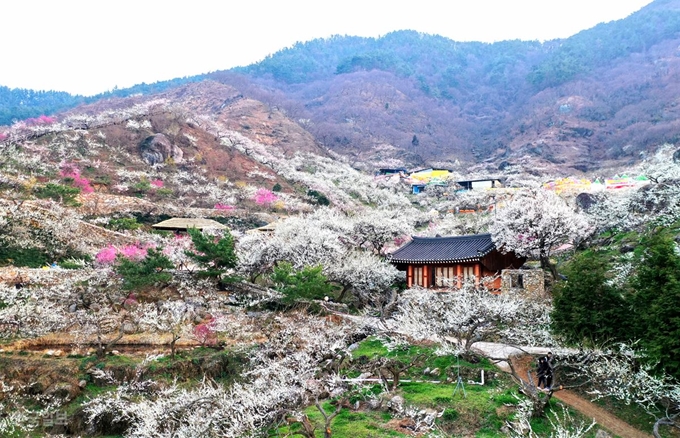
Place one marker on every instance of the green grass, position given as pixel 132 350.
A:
pixel 482 411
pixel 361 424
pixel 373 348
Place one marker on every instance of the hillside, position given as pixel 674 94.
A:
pixel 111 327
pixel 598 98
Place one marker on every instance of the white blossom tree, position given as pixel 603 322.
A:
pixel 622 373
pixel 536 222
pixel 171 317
pixel 470 314
pixel 284 374
pixel 327 238
pixel 662 165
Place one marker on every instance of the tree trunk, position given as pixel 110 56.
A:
pixel 342 293
pixel 665 422
pixel 546 264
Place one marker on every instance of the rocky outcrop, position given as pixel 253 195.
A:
pixel 158 148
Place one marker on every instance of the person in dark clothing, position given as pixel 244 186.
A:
pixel 549 370
pixel 541 370
pixel 544 370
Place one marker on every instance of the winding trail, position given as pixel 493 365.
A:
pixel 523 361
pixel 603 418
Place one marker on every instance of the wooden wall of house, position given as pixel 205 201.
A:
pixel 429 275
pixel 495 262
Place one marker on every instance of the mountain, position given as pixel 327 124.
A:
pixel 602 97
pixel 202 149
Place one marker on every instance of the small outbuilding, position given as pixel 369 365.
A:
pixel 182 224
pixel 481 184
pixel 444 262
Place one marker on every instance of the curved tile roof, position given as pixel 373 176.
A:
pixel 444 249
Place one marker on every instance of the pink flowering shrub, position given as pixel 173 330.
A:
pixel 107 256
pixel 133 252
pixel 69 170
pixel 219 206
pixel 205 332
pixel 3 136
pixel 265 197
pixel 41 120
pixel 156 183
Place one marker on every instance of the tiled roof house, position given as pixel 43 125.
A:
pixel 441 262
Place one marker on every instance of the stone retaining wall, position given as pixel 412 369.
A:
pixel 529 282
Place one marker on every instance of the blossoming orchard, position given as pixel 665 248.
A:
pixel 163 274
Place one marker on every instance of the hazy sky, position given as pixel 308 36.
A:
pixel 90 46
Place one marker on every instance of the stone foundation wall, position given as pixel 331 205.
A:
pixel 529 282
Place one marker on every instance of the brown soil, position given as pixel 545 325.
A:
pixel 602 417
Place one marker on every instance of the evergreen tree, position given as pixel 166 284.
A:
pixel 656 300
pixel 304 285
pixel 214 255
pixel 586 307
pixel 151 270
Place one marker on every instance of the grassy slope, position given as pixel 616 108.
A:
pixel 481 412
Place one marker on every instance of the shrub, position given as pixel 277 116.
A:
pixel 450 415
pixel 28 257
pixel 57 192
pixel 150 270
pixel 102 179
pixel 124 223
pixel 308 284
pixel 215 255
pixel 318 198
pixel 142 186
pixel 164 193
pixel 277 187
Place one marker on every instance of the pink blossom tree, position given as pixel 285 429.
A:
pixel 108 255
pixel 69 170
pixel 205 332
pixel 40 120
pixel 265 197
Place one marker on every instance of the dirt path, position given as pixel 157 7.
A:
pixel 603 418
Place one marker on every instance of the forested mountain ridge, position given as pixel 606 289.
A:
pixel 600 97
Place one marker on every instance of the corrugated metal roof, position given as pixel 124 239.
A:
pixel 184 223
pixel 444 249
